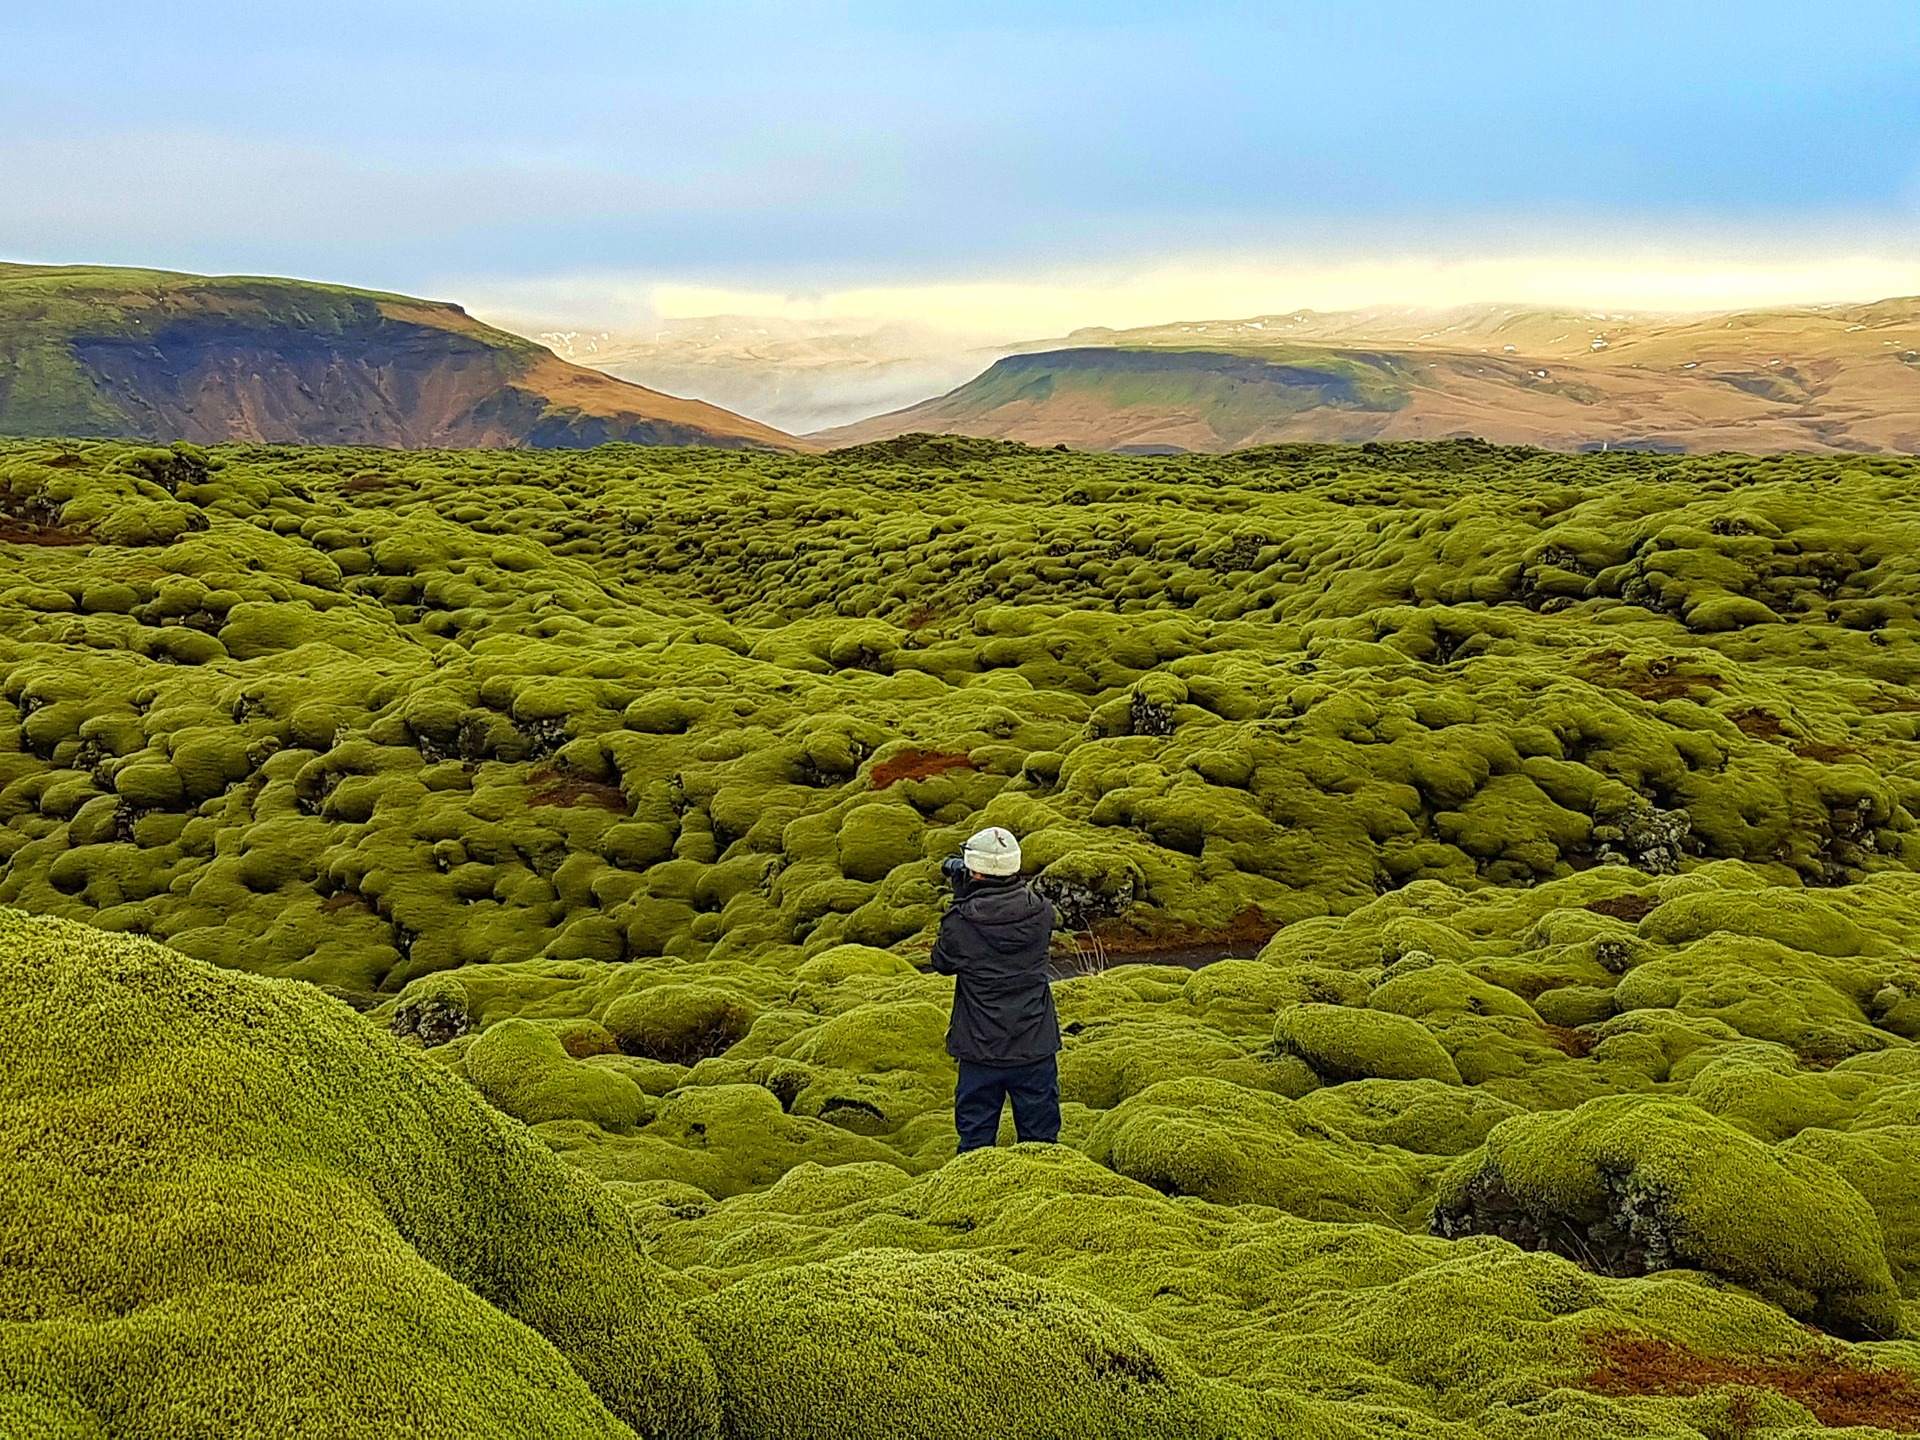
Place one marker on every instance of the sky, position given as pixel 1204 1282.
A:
pixel 983 165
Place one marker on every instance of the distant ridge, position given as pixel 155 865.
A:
pixel 149 354
pixel 1818 378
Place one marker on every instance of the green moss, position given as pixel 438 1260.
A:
pixel 679 1023
pixel 149 786
pixel 1445 990
pixel 1810 1003
pixel 1877 1161
pixel 360 1204
pixel 1234 1146
pixel 1423 1116
pixel 875 838
pixel 533 756
pixel 527 1071
pixel 1652 1184
pixel 887 1344
pixel 1342 1043
pixel 727 1139
pixel 847 962
pixel 1801 922
pixel 1332 1329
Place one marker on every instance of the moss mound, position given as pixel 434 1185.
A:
pixel 1633 1186
pixel 679 1023
pixel 1235 1146
pixel 1349 1044
pixel 235 1209
pixel 886 1344
pixel 1294 1327
pixel 525 1070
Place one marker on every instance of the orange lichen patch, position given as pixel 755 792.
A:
pixel 565 789
pixel 918 765
pixel 1836 1389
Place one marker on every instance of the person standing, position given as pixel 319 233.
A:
pixel 1005 1034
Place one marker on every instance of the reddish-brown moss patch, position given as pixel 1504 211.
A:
pixel 14 531
pixel 1569 1041
pixel 1761 724
pixel 1630 908
pixel 1835 1388
pixel 918 765
pixel 1156 940
pixel 562 788
pixel 1823 751
pixel 1658 679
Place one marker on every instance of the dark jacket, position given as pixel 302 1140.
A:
pixel 994 940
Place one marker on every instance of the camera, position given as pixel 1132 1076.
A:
pixel 954 871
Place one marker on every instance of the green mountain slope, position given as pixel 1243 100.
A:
pixel 1241 394
pixel 159 356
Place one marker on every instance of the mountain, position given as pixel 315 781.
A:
pixel 155 355
pixel 797 374
pixel 1832 377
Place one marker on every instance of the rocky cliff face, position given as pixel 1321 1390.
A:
pixel 142 354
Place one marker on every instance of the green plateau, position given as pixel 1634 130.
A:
pixel 154 355
pixel 463 921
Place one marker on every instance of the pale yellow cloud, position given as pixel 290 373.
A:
pixel 1201 288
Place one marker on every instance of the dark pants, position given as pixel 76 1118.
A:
pixel 1034 1090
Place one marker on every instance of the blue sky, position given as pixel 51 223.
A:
pixel 805 148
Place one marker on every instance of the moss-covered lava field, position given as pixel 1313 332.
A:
pixel 1491 1005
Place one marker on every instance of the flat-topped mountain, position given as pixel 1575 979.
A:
pixel 156 355
pixel 1831 377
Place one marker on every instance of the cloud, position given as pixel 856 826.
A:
pixel 1682 274
pixel 147 195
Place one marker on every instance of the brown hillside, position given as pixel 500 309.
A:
pixel 1818 378
pixel 159 356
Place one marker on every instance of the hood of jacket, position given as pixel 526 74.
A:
pixel 1005 912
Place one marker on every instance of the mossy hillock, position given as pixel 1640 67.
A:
pixel 611 788
pixel 1631 1186
pixel 235 1209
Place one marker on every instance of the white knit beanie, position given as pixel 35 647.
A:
pixel 992 852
